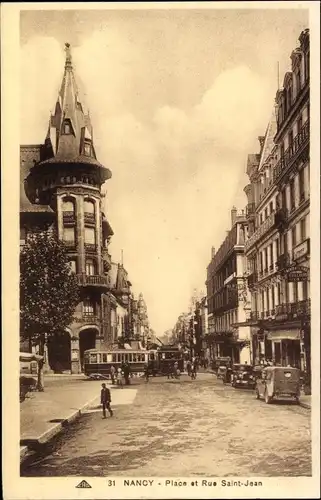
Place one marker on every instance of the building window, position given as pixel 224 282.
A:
pixel 88 307
pixel 90 235
pixel 290 139
pixel 299 124
pixel 273 297
pixel 271 207
pixel 68 206
pixel 262 300
pixel 73 266
pixel 261 262
pixel 272 256
pixel 298 82
pixel 283 199
pixel 69 236
pixel 303 228
pixel 265 214
pixel 67 128
pixel 268 299
pixel 279 293
pixel 89 207
pixel 307 65
pixel 295 291
pixel 90 267
pixel 261 218
pixel 282 149
pixel 305 290
pixel 301 185
pixel 293 232
pixel 266 259
pixel 87 149
pixel 292 195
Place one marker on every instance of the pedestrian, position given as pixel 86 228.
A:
pixel 105 400
pixel 112 374
pixel 189 367
pixel 126 370
pixel 120 377
pixel 193 371
pixel 146 372
pixel 175 368
pixel 170 371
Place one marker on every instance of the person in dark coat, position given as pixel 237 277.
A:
pixel 126 370
pixel 105 400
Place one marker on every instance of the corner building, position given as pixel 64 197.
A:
pixel 228 297
pixel 278 248
pixel 62 186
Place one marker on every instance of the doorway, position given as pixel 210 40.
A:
pixel 59 352
pixel 87 340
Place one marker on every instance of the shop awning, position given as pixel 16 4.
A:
pixel 284 334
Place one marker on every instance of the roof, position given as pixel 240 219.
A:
pixel 269 139
pixel 29 154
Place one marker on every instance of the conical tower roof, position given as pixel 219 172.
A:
pixel 70 133
pixel 268 144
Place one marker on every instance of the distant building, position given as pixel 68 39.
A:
pixel 228 298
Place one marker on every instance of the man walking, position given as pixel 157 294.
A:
pixel 112 374
pixel 126 370
pixel 105 400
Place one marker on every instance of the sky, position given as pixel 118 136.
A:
pixel 177 100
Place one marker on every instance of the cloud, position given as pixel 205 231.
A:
pixel 175 173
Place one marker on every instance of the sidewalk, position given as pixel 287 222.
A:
pixel 45 414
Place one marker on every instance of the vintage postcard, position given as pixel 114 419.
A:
pixel 161 333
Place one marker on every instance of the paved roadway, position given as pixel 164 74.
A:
pixel 184 428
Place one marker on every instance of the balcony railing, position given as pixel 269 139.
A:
pixel 252 279
pixel 71 245
pixel 294 309
pixel 68 217
pixel 93 280
pixel 282 261
pixel 299 142
pixel 89 218
pixel 260 232
pixel 106 259
pixel 90 248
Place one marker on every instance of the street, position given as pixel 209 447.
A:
pixel 183 428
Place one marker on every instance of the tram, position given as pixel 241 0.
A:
pixel 100 362
pixel 159 361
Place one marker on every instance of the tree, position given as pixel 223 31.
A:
pixel 49 291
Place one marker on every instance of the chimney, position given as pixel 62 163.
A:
pixel 213 252
pixel 233 215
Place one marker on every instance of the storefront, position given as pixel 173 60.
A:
pixel 286 347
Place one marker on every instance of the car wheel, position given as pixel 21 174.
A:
pixel 267 398
pixel 257 394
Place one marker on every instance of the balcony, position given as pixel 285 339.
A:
pixel 252 280
pixel 88 318
pixel 300 141
pixel 68 217
pixel 282 262
pixel 293 310
pixel 89 218
pixel 106 259
pixel 90 248
pixel 250 210
pixel 93 280
pixel 268 224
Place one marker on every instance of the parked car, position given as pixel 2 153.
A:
pixel 29 367
pixel 243 376
pixel 278 382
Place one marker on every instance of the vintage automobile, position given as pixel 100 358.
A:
pixel 243 376
pixel 221 366
pixel 278 382
pixel 29 367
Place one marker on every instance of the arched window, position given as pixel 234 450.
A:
pixel 68 205
pixel 89 207
pixel 90 267
pixel 66 128
pixel 88 307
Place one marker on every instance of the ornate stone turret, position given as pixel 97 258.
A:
pixel 66 178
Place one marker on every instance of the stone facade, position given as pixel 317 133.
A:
pixel 278 247
pixel 228 297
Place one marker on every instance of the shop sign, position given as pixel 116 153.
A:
pixel 74 355
pixel 301 250
pixel 297 273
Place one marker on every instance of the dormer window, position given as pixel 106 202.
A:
pixel 67 128
pixel 87 149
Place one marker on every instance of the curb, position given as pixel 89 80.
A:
pixel 29 446
pixel 307 406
